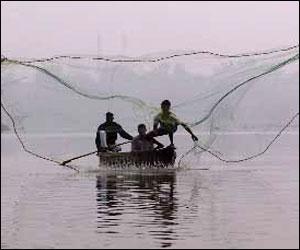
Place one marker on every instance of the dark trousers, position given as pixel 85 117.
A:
pixel 162 131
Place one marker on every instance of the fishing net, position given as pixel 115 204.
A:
pixel 65 98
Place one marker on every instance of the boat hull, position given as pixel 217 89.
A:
pixel 159 158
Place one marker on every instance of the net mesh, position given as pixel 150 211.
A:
pixel 218 96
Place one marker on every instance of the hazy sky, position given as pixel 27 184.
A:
pixel 36 29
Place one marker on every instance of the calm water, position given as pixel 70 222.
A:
pixel 250 205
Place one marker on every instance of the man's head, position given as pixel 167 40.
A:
pixel 142 129
pixel 109 117
pixel 165 105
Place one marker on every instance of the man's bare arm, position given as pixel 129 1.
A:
pixel 186 127
pixel 160 145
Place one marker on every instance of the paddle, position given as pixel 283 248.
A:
pixel 81 156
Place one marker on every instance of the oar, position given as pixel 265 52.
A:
pixel 81 156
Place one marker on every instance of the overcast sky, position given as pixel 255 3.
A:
pixel 36 29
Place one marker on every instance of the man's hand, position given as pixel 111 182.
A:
pixel 194 138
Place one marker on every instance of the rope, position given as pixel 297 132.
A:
pixel 277 66
pixel 23 145
pixel 131 99
pixel 243 159
pixel 155 59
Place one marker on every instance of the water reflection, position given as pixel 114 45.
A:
pixel 143 202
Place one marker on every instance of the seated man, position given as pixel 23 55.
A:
pixel 112 130
pixel 168 123
pixel 142 142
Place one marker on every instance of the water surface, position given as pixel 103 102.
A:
pixel 250 205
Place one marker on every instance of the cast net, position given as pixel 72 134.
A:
pixel 63 100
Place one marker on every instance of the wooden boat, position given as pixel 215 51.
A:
pixel 158 158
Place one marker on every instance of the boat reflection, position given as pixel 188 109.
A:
pixel 131 201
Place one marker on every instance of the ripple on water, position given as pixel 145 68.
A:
pixel 244 206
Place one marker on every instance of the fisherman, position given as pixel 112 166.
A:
pixel 142 142
pixel 112 130
pixel 166 123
